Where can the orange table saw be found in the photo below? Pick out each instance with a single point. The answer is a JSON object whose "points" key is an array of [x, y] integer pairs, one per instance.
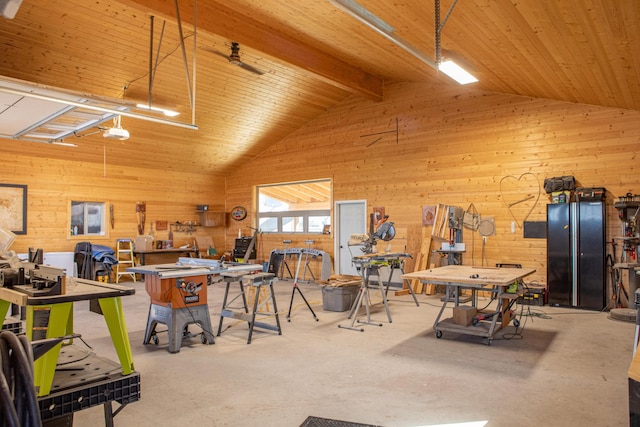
{"points": [[178, 295]]}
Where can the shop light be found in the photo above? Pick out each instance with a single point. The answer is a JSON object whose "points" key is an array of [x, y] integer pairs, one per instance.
{"points": [[166, 112], [456, 72]]}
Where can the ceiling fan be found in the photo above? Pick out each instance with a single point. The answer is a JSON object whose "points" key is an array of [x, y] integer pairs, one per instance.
{"points": [[234, 58]]}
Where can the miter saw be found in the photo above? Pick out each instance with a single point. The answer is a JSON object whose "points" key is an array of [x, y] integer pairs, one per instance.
{"points": [[385, 232]]}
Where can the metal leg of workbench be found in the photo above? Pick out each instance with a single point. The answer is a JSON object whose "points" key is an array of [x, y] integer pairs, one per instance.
{"points": [[383, 294], [275, 307], [447, 295], [256, 307], [384, 298], [108, 415], [114, 316], [4, 308], [494, 320], [413, 294], [225, 311], [45, 367], [354, 309]]}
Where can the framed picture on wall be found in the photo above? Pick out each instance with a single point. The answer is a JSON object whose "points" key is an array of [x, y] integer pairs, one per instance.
{"points": [[13, 207], [428, 215]]}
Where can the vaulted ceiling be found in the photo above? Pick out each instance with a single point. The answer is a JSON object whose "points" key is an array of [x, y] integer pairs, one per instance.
{"points": [[313, 56]]}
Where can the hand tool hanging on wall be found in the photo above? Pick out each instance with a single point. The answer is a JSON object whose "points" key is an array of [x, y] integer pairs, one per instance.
{"points": [[511, 185], [141, 208], [111, 216]]}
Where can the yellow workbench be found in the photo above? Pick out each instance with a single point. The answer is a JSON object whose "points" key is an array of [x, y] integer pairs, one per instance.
{"points": [[59, 310]]}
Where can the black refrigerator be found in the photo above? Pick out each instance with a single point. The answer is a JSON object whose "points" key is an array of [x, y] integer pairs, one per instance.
{"points": [[576, 254]]}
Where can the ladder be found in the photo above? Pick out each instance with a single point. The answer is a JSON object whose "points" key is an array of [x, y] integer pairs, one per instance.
{"points": [[124, 254]]}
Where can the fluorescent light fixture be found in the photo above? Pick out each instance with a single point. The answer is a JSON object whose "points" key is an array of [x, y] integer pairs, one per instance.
{"points": [[61, 143], [377, 24], [363, 14], [29, 90], [456, 72], [166, 112], [9, 8]]}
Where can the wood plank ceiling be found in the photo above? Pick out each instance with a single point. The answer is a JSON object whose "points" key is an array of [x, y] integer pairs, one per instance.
{"points": [[313, 56]]}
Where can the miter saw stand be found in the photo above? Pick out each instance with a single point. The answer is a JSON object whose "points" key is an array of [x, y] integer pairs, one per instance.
{"points": [[367, 263]]}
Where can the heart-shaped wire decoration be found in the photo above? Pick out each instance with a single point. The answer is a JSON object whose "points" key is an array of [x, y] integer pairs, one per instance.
{"points": [[517, 197]]}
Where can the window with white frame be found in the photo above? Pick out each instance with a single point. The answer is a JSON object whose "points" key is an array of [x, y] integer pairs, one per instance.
{"points": [[87, 219], [296, 207]]}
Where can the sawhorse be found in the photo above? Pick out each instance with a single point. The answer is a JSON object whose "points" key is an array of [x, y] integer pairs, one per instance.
{"points": [[257, 280]]}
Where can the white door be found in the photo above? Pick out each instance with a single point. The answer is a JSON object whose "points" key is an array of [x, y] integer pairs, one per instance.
{"points": [[351, 218]]}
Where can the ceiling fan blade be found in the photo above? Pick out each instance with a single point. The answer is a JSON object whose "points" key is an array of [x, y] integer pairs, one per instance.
{"points": [[215, 52], [234, 58], [250, 68]]}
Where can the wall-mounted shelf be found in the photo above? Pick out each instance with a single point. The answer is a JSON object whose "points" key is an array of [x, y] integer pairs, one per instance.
{"points": [[212, 219], [184, 227]]}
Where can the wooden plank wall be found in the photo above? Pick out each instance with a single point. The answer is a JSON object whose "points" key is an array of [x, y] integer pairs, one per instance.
{"points": [[52, 184], [455, 146]]}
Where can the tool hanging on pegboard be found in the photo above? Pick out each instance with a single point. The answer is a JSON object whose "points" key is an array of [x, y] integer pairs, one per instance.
{"points": [[141, 208]]}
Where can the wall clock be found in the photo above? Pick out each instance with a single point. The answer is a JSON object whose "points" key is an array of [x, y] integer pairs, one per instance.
{"points": [[239, 213]]}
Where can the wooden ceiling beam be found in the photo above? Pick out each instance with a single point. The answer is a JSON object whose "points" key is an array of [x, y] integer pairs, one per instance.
{"points": [[216, 18]]}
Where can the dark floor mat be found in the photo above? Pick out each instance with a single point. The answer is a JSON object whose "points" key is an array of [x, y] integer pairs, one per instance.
{"points": [[326, 422]]}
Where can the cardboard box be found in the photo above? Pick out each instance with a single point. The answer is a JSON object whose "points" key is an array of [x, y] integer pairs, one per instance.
{"points": [[464, 314], [143, 243]]}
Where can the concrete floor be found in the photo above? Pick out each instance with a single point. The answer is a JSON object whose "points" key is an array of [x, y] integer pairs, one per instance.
{"points": [[566, 368]]}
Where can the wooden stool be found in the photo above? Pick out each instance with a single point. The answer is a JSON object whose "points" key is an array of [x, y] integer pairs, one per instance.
{"points": [[263, 299]]}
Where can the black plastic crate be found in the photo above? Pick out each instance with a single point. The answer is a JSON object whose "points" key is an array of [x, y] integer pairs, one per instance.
{"points": [[89, 382], [12, 325], [122, 390]]}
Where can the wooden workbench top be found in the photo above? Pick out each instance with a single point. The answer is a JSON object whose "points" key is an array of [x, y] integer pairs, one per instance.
{"points": [[468, 275], [75, 290]]}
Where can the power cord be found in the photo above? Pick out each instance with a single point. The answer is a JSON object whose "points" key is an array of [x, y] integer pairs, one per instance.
{"points": [[193, 286], [17, 393], [517, 320]]}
